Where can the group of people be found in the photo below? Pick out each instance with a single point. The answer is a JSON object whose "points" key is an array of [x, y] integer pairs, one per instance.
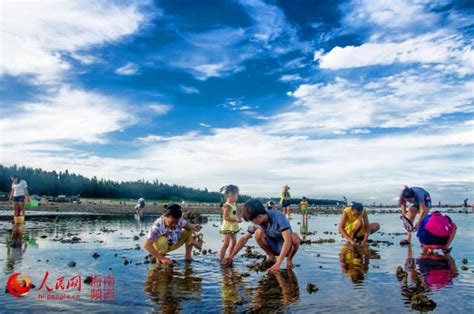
{"points": [[274, 235], [271, 227]]}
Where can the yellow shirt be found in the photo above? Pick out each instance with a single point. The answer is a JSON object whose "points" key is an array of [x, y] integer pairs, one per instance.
{"points": [[351, 219], [227, 225], [304, 204]]}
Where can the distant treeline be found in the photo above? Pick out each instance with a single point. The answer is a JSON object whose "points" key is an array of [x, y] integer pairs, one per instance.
{"points": [[54, 183]]}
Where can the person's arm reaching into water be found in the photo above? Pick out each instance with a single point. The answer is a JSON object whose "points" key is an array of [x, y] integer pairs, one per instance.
{"points": [[287, 242], [159, 257], [342, 231], [240, 244]]}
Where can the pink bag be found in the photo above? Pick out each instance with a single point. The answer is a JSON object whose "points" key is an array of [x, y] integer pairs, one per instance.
{"points": [[439, 225]]}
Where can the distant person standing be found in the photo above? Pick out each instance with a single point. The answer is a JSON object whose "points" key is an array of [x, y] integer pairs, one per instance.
{"points": [[285, 201], [304, 207], [420, 201], [465, 205], [139, 207], [18, 195]]}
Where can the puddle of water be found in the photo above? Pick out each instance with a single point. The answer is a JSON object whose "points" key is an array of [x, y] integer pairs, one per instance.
{"points": [[348, 280]]}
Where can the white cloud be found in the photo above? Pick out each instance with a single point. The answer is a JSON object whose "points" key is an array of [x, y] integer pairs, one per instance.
{"points": [[438, 47], [189, 89], [290, 77], [204, 125], [160, 109], [401, 15], [68, 116], [437, 159], [151, 138], [128, 69], [35, 35], [408, 99]]}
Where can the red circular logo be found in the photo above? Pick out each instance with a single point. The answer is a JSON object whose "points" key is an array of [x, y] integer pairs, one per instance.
{"points": [[18, 286]]}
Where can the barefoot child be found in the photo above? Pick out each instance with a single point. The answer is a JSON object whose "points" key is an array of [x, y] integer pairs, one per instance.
{"points": [[272, 232], [304, 207], [285, 201], [420, 201], [230, 219], [168, 233], [354, 224]]}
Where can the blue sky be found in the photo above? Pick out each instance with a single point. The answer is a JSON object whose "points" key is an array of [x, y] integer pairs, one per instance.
{"points": [[354, 98]]}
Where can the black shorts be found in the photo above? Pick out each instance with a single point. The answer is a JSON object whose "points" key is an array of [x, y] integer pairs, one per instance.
{"points": [[20, 198]]}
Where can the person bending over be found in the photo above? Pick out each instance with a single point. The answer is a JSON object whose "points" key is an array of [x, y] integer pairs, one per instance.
{"points": [[354, 224], [272, 232]]}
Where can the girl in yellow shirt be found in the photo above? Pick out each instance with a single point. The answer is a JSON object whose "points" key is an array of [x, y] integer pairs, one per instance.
{"points": [[231, 219]]}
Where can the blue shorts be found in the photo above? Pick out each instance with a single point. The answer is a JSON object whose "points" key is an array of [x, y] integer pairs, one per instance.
{"points": [[427, 202], [275, 244], [285, 203], [20, 198]]}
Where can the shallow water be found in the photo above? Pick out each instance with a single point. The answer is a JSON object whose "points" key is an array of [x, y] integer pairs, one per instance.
{"points": [[347, 281]]}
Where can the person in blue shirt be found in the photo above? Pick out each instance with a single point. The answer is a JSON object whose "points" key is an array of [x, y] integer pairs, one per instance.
{"points": [[420, 201], [272, 232]]}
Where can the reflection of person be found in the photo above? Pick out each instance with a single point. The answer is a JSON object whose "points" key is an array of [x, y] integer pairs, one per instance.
{"points": [[354, 224], [285, 201], [139, 207], [354, 261], [438, 270], [18, 196], [168, 233], [275, 291], [168, 287], [232, 286], [230, 219], [436, 232], [420, 201], [16, 246], [272, 232]]}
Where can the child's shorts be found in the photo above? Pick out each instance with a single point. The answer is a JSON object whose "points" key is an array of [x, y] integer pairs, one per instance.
{"points": [[275, 244], [285, 203]]}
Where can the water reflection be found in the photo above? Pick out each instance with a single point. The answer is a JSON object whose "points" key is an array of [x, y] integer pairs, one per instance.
{"points": [[16, 247], [168, 287], [438, 270], [275, 291], [354, 261], [232, 290]]}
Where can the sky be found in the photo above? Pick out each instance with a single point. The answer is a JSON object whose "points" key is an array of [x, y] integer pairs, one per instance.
{"points": [[348, 98]]}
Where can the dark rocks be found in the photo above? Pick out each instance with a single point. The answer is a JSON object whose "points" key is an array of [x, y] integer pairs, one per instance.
{"points": [[465, 261], [71, 264], [252, 254], [311, 288], [464, 267], [88, 280], [401, 273], [126, 262], [421, 302], [43, 236], [245, 274], [261, 266], [195, 218], [136, 238], [96, 255]]}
